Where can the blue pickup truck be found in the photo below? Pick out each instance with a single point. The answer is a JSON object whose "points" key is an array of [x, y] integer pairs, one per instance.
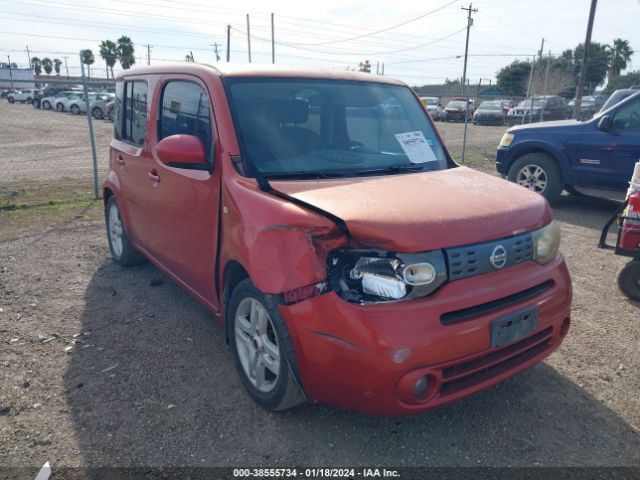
{"points": [[594, 157]]}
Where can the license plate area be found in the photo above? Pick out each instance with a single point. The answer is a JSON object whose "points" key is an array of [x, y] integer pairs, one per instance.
{"points": [[513, 327]]}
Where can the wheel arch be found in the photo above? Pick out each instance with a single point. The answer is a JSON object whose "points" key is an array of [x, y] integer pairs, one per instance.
{"points": [[234, 273], [550, 152]]}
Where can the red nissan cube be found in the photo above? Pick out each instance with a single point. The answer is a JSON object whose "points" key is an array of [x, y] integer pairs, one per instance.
{"points": [[319, 217]]}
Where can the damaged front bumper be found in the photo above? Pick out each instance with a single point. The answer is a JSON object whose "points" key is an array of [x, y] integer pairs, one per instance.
{"points": [[368, 358]]}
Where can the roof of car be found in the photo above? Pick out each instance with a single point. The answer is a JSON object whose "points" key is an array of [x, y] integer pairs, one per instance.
{"points": [[257, 70]]}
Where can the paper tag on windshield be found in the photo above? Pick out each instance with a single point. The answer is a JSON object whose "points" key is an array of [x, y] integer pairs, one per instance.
{"points": [[416, 147]]}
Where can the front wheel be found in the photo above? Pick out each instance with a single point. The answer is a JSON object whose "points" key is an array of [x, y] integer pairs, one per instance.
{"points": [[538, 173], [122, 250], [75, 109], [629, 280], [262, 349], [11, 99], [97, 113], [46, 105]]}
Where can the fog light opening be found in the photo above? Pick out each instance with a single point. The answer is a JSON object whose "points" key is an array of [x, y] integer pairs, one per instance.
{"points": [[564, 328], [420, 387]]}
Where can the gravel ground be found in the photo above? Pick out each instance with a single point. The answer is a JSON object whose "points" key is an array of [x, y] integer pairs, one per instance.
{"points": [[148, 379]]}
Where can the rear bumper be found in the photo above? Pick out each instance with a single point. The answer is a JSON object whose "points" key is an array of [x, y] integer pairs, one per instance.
{"points": [[367, 358]]}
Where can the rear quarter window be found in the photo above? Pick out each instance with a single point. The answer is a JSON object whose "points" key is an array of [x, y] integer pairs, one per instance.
{"points": [[130, 120]]}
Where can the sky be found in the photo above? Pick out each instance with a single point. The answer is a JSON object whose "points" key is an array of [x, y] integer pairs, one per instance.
{"points": [[419, 42]]}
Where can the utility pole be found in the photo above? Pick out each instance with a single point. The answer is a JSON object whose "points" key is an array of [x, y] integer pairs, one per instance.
{"points": [[228, 42], [248, 38], [149, 54], [215, 49], [382, 73], [378, 67], [10, 74], [546, 79], [66, 67], [524, 115], [470, 11], [273, 42], [192, 59], [585, 59], [29, 56], [541, 50]]}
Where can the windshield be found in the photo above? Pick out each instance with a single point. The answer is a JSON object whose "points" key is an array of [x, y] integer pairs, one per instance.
{"points": [[456, 104], [490, 106], [537, 103], [430, 101], [616, 97], [315, 128]]}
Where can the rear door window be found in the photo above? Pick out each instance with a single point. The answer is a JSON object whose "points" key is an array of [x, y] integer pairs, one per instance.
{"points": [[130, 123]]}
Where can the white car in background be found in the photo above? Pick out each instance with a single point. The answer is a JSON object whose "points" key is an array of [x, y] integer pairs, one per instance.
{"points": [[433, 107], [48, 103], [62, 103], [97, 104], [22, 96]]}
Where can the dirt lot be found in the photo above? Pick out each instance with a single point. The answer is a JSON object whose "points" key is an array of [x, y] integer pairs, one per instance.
{"points": [[148, 379]]}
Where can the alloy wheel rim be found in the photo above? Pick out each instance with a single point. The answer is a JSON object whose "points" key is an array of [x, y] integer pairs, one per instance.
{"points": [[533, 177], [257, 345], [115, 230]]}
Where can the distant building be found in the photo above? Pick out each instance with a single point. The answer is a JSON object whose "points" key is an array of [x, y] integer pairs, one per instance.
{"points": [[8, 74]]}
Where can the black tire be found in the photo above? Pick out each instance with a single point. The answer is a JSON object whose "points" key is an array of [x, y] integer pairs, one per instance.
{"points": [[97, 113], [29, 99], [11, 99], [128, 254], [629, 280], [286, 393], [75, 109], [550, 173], [36, 103], [59, 107], [46, 105]]}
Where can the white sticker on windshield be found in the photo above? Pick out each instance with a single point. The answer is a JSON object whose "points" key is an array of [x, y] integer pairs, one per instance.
{"points": [[416, 147]]}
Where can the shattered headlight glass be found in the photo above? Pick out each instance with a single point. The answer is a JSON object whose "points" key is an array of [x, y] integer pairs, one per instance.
{"points": [[363, 276]]}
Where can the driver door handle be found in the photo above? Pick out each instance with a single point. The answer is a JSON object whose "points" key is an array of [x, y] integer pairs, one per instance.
{"points": [[153, 175]]}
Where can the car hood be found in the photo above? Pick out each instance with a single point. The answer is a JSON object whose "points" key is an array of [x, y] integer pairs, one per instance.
{"points": [[425, 211], [563, 125]]}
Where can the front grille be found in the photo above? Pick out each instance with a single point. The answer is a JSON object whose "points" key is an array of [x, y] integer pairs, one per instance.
{"points": [[469, 373], [457, 316], [472, 260]]}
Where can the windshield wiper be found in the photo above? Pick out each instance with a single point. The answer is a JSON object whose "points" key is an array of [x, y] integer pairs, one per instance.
{"points": [[305, 174], [391, 169]]}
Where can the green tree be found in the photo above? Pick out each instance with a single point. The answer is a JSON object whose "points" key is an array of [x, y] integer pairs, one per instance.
{"points": [[189, 58], [47, 64], [126, 52], [364, 67], [36, 64], [109, 53], [56, 65], [627, 80], [513, 78], [620, 53], [597, 64], [87, 57]]}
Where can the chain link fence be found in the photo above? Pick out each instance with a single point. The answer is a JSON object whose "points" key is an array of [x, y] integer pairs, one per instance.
{"points": [[46, 152]]}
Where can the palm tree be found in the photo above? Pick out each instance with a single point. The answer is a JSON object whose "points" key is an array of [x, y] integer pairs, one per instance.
{"points": [[56, 65], [36, 64], [109, 53], [47, 64], [189, 58], [86, 57], [126, 52], [620, 54]]}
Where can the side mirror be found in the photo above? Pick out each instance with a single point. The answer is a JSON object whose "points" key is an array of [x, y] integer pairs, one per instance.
{"points": [[182, 151], [605, 123]]}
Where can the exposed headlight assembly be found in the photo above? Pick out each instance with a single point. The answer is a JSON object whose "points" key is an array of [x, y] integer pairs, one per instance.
{"points": [[364, 276], [546, 242], [506, 139]]}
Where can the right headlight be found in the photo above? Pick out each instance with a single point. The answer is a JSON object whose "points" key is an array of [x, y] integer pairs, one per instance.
{"points": [[364, 276], [506, 140], [546, 242]]}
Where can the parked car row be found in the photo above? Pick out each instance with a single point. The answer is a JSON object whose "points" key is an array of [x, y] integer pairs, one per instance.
{"points": [[66, 100]]}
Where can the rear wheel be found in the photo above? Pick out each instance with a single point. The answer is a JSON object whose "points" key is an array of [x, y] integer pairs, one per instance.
{"points": [[46, 105], [122, 250], [262, 349], [538, 173], [97, 113], [629, 280], [75, 109], [11, 99]]}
